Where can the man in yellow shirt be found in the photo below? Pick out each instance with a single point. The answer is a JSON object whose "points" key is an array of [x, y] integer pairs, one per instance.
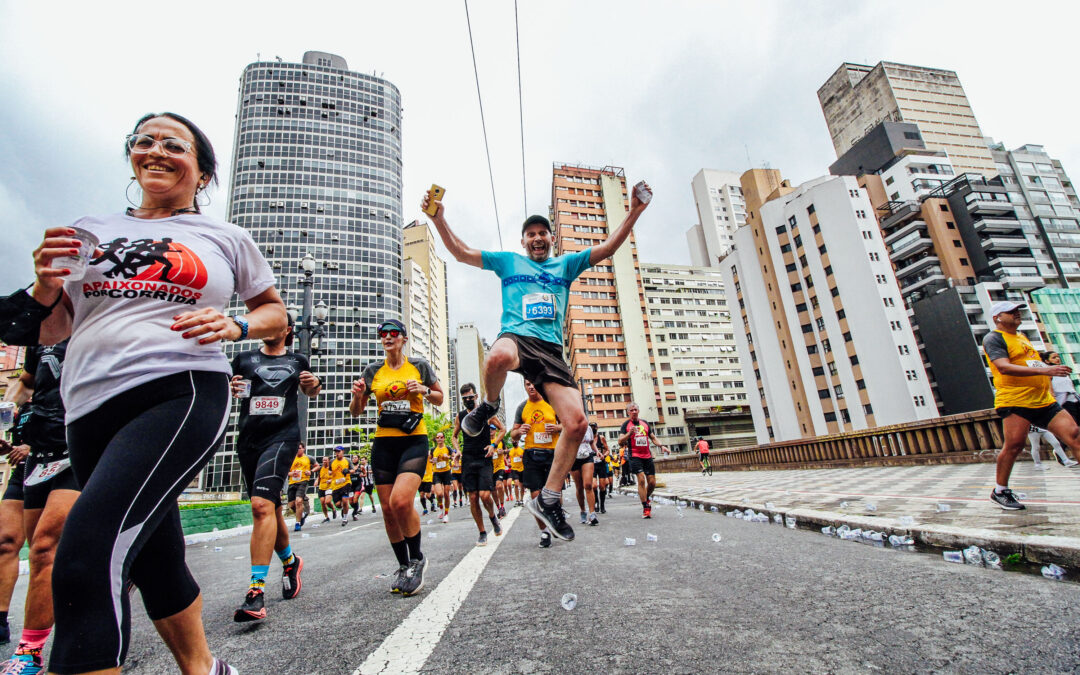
{"points": [[325, 493], [299, 479], [440, 476], [517, 466], [1022, 396], [425, 486], [535, 422], [455, 479], [341, 484]]}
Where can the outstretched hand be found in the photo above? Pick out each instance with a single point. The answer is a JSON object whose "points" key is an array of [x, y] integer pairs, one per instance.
{"points": [[439, 208]]}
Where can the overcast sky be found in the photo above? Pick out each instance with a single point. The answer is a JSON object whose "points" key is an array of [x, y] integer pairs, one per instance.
{"points": [[661, 89]]}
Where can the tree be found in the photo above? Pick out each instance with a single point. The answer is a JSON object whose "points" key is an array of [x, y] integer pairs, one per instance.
{"points": [[361, 444], [439, 422]]}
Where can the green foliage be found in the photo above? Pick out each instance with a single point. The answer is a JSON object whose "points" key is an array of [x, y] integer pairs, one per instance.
{"points": [[362, 439], [439, 422], [1013, 559], [211, 505]]}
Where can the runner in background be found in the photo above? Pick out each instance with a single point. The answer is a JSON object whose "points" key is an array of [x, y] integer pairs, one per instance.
{"points": [[355, 485], [12, 530], [340, 483], [326, 495], [498, 469], [299, 480], [516, 454], [536, 424], [582, 473], [601, 470], [477, 478], [456, 493], [426, 484], [636, 434], [440, 483], [367, 483]]}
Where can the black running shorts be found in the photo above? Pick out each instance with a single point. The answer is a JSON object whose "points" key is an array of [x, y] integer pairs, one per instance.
{"points": [[540, 361], [499, 475], [440, 478], [342, 493], [425, 487], [476, 475], [14, 489], [395, 455], [515, 475], [265, 467], [46, 472], [537, 468], [580, 462], [601, 470], [1040, 417], [643, 465]]}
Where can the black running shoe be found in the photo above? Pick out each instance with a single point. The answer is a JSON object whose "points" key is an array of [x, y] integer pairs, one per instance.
{"points": [[477, 420], [552, 516], [253, 608], [545, 539], [290, 578], [414, 577], [395, 587], [496, 527], [593, 520], [1006, 500], [482, 539]]}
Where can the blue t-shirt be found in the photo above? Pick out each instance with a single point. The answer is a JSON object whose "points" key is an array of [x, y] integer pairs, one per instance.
{"points": [[535, 295]]}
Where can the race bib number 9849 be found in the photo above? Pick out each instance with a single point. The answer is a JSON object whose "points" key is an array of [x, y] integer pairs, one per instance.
{"points": [[267, 405]]}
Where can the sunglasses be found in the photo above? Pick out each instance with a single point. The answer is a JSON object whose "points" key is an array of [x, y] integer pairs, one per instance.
{"points": [[392, 332], [468, 398], [140, 144]]}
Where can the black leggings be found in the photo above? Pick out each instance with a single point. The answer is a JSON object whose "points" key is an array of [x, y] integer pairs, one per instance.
{"points": [[133, 456]]}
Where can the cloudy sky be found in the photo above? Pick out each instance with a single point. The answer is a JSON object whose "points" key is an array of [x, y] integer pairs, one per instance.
{"points": [[662, 89]]}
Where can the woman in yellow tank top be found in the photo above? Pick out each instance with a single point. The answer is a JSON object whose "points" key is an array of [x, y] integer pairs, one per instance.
{"points": [[440, 460]]}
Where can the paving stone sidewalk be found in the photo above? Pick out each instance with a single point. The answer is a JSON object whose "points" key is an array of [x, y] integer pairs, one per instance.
{"points": [[1047, 531]]}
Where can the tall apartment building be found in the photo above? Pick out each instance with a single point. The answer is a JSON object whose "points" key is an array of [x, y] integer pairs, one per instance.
{"points": [[419, 247], [415, 306], [606, 332], [701, 382], [469, 352], [817, 299], [856, 98], [317, 170], [721, 211], [452, 394], [1046, 204]]}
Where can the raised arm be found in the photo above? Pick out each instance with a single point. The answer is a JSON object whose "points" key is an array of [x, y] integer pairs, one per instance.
{"points": [[454, 434], [608, 247], [500, 430], [457, 248]]}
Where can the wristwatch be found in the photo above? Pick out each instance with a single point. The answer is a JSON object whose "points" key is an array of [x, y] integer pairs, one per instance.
{"points": [[242, 322]]}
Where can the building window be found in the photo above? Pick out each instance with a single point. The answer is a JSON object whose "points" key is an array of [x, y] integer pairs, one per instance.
{"points": [[823, 393]]}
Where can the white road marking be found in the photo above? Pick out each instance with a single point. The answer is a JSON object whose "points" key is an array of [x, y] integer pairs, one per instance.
{"points": [[405, 650]]}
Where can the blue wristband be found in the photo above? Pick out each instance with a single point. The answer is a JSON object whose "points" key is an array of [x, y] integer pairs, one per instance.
{"points": [[243, 327]]}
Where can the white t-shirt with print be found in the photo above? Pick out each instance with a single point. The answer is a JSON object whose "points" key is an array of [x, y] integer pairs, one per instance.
{"points": [[144, 273], [585, 447]]}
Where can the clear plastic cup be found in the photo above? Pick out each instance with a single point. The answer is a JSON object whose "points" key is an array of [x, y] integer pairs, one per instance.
{"points": [[88, 241], [642, 192], [7, 415], [245, 389]]}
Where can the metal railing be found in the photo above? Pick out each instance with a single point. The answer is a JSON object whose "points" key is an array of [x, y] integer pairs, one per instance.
{"points": [[956, 439]]}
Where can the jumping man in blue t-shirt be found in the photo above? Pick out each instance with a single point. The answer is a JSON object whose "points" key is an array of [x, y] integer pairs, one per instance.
{"points": [[535, 290]]}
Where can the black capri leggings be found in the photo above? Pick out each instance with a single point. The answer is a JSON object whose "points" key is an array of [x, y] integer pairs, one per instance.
{"points": [[133, 456]]}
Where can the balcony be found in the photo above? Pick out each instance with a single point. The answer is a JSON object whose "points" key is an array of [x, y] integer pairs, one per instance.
{"points": [[1004, 243], [989, 225], [903, 230], [909, 247], [990, 206], [1022, 281], [929, 261], [934, 278], [893, 213]]}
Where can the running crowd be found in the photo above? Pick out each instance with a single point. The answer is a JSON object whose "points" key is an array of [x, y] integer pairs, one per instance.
{"points": [[126, 395]]}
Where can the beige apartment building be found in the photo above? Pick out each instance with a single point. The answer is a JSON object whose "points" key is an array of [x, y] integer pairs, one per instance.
{"points": [[607, 341], [856, 98], [425, 309]]}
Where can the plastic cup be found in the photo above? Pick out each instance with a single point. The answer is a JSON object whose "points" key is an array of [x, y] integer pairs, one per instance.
{"points": [[88, 241], [245, 389], [642, 192], [7, 415]]}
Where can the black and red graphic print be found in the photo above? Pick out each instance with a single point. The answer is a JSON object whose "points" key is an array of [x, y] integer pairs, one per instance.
{"points": [[147, 268]]}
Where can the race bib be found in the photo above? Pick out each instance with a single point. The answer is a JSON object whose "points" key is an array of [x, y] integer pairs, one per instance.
{"points": [[440, 465], [641, 441], [1035, 363], [329, 493], [538, 307], [43, 472], [267, 405], [396, 406], [540, 437]]}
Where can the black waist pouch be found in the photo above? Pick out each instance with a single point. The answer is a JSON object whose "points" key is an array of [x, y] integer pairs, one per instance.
{"points": [[405, 421]]}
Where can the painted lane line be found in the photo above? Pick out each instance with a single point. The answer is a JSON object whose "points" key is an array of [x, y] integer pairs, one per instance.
{"points": [[408, 647]]}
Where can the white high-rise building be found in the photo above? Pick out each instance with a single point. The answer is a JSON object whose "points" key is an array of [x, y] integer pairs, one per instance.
{"points": [[721, 210], [823, 335]]}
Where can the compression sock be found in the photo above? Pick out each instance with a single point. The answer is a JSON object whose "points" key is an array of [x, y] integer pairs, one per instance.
{"points": [[401, 551], [493, 404], [33, 639], [423, 502], [258, 576], [413, 543], [549, 497], [603, 498], [286, 556], [645, 504], [1000, 488]]}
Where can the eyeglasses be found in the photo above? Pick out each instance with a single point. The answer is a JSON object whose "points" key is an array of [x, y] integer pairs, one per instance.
{"points": [[141, 144], [468, 398], [392, 332]]}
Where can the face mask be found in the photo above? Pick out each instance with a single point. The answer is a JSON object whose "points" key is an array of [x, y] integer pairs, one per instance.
{"points": [[469, 405]]}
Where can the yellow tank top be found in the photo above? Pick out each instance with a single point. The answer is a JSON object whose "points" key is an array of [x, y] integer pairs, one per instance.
{"points": [[517, 463], [536, 415], [441, 459], [324, 478], [1031, 391], [300, 471], [428, 472]]}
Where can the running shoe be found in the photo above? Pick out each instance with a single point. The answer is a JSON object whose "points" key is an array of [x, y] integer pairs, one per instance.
{"points": [[583, 518], [502, 511], [496, 527], [373, 509], [446, 517], [1071, 463], [326, 520], [477, 420], [290, 578], [222, 668], [296, 527], [482, 539], [5, 633], [646, 512], [593, 520], [253, 609], [1006, 500], [399, 579], [424, 513], [545, 539], [344, 522], [1042, 467], [354, 515], [553, 516], [27, 662], [414, 577]]}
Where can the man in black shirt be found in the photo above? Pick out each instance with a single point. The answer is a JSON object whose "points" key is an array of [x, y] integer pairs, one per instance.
{"points": [[476, 476], [269, 434], [49, 491]]}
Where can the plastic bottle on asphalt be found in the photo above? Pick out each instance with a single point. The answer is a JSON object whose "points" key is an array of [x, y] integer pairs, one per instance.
{"points": [[942, 508], [716, 537], [569, 601], [991, 559], [828, 530], [777, 518], [901, 540], [973, 555], [953, 556], [629, 541], [650, 537], [1052, 571], [870, 506], [218, 549], [790, 522], [714, 509], [843, 505]]}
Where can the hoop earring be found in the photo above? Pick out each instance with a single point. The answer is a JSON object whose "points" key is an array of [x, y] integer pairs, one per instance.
{"points": [[201, 192], [127, 194]]}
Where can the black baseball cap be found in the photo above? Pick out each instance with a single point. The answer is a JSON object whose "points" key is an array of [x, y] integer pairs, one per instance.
{"points": [[535, 220], [392, 323]]}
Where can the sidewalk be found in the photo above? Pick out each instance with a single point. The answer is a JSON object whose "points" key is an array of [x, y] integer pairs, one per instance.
{"points": [[1047, 531]]}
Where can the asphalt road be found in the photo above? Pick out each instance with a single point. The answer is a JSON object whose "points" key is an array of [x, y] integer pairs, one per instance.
{"points": [[764, 599]]}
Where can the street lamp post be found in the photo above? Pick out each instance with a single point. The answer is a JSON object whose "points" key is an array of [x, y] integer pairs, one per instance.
{"points": [[310, 336], [586, 397]]}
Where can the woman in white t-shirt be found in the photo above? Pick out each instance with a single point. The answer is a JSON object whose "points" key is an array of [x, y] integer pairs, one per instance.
{"points": [[582, 474], [146, 391]]}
